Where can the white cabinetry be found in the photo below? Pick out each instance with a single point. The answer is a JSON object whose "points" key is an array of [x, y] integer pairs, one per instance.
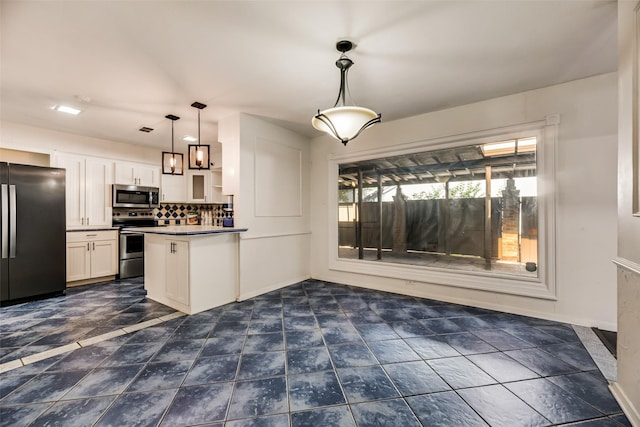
{"points": [[174, 188], [129, 173], [177, 271], [199, 186], [91, 255], [194, 187], [88, 190], [191, 273]]}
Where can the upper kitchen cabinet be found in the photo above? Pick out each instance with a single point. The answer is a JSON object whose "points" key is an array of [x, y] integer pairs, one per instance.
{"points": [[173, 188], [199, 186], [128, 173], [88, 190]]}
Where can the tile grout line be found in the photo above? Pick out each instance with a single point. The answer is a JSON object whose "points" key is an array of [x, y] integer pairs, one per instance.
{"points": [[33, 358]]}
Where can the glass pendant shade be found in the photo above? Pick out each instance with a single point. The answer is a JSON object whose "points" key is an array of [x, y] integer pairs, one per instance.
{"points": [[344, 122], [199, 157]]}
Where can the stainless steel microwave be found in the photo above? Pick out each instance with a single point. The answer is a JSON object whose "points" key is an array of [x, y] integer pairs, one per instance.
{"points": [[135, 196]]}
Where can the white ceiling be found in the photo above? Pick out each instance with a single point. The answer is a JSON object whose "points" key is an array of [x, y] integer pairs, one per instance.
{"points": [[127, 64]]}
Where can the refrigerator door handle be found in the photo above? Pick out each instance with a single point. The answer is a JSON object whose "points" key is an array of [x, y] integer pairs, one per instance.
{"points": [[4, 195], [12, 221]]}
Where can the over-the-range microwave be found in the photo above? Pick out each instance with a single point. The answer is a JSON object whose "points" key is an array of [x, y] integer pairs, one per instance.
{"points": [[135, 196]]}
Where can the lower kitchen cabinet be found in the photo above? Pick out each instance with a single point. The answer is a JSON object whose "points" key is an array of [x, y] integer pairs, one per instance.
{"points": [[91, 256], [177, 271], [191, 273]]}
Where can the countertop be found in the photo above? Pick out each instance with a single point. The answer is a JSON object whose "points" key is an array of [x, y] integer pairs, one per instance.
{"points": [[186, 230]]}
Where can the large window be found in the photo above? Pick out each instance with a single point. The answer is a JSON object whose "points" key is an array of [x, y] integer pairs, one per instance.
{"points": [[471, 208]]}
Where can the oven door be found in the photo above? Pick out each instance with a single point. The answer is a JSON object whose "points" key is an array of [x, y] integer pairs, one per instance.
{"points": [[131, 245]]}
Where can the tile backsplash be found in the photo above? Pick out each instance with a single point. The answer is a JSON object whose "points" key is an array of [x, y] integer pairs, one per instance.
{"points": [[176, 213]]}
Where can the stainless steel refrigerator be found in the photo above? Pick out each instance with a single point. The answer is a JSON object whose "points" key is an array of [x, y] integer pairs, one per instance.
{"points": [[32, 233]]}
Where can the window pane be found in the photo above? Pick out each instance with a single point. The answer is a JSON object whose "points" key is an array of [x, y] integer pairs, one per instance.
{"points": [[466, 208]]}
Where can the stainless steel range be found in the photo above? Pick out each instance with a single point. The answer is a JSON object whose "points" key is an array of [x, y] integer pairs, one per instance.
{"points": [[131, 242]]}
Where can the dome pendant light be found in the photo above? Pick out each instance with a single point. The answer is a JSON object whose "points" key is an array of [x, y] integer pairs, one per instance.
{"points": [[344, 122]]}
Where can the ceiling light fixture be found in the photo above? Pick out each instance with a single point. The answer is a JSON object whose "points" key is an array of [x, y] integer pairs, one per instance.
{"points": [[198, 154], [66, 109], [344, 122], [171, 159], [189, 138]]}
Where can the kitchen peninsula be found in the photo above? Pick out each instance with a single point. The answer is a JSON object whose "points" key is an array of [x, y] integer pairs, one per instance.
{"points": [[191, 268]]}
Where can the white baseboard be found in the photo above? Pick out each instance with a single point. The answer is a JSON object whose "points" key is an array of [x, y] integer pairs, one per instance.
{"points": [[625, 403], [274, 287]]}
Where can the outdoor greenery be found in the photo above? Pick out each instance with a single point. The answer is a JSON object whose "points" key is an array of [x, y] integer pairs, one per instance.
{"points": [[464, 190]]}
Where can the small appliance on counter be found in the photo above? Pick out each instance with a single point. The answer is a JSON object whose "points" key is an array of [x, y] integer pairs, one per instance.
{"points": [[227, 221], [192, 219]]}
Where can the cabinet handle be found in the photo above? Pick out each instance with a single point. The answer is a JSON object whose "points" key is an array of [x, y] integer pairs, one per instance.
{"points": [[91, 235], [88, 247], [82, 221], [87, 220], [94, 246]]}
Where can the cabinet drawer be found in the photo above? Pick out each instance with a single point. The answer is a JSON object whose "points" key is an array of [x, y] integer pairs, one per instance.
{"points": [[87, 236]]}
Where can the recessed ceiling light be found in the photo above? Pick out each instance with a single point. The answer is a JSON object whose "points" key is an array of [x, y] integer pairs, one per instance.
{"points": [[66, 109], [189, 138]]}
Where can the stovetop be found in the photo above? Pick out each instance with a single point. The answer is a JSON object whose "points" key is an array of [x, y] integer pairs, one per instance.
{"points": [[126, 217]]}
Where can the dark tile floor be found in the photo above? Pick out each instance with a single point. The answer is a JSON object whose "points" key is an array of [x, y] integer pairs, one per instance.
{"points": [[311, 354], [84, 312]]}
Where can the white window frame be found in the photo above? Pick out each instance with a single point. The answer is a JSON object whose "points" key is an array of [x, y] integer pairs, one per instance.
{"points": [[543, 286]]}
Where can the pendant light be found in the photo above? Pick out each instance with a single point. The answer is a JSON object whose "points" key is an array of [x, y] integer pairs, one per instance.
{"points": [[198, 154], [344, 122], [170, 160]]}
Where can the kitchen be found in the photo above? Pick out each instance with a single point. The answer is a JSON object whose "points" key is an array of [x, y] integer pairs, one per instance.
{"points": [[286, 202]]}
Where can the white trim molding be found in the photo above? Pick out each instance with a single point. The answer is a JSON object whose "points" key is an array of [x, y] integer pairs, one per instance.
{"points": [[625, 403], [627, 265]]}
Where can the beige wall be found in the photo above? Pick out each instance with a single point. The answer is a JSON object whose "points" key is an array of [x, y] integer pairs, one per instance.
{"points": [[627, 387], [585, 190]]}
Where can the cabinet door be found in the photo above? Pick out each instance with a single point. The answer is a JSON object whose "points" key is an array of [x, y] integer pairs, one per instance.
{"points": [[98, 176], [174, 188], [74, 187], [104, 258], [199, 187], [148, 175], [177, 271], [129, 173], [78, 261], [125, 174]]}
